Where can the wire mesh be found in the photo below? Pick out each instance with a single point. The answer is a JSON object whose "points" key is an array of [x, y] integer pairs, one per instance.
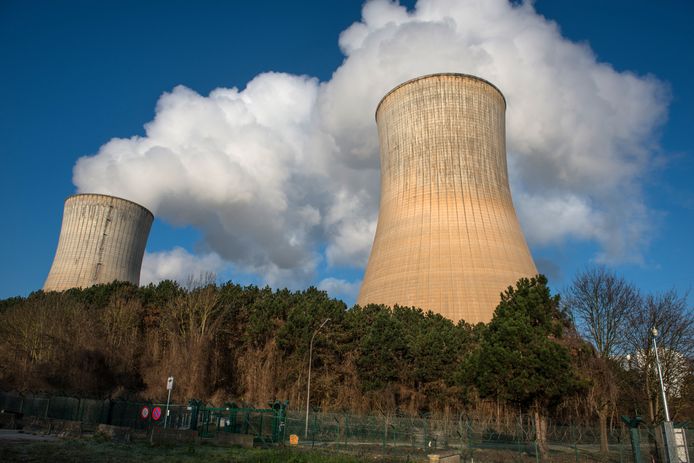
{"points": [[481, 439], [484, 440]]}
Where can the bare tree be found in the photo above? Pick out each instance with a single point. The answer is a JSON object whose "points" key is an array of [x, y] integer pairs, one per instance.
{"points": [[25, 343], [191, 325], [602, 303], [674, 320]]}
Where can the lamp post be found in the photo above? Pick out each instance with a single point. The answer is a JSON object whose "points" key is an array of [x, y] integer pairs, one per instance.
{"points": [[308, 386], [654, 332], [668, 428]]}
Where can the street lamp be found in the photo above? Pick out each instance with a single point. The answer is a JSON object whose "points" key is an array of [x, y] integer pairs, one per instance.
{"points": [[654, 332], [668, 428], [308, 386]]}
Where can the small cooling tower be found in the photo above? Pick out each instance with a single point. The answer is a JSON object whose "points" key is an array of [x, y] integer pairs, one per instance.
{"points": [[102, 239], [448, 239]]}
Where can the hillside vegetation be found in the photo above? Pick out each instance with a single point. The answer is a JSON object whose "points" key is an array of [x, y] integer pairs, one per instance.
{"points": [[248, 344]]}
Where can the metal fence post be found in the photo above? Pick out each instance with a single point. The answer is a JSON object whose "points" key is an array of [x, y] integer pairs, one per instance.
{"points": [[394, 433], [519, 437], [383, 439], [194, 406], [426, 433], [313, 434], [470, 444], [537, 454]]}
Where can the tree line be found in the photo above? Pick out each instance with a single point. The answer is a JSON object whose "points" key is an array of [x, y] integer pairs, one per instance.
{"points": [[584, 358]]}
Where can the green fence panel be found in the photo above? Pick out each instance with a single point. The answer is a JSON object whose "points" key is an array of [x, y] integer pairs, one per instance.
{"points": [[512, 439], [11, 402]]}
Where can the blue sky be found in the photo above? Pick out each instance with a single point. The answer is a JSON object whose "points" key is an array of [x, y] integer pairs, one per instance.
{"points": [[79, 74]]}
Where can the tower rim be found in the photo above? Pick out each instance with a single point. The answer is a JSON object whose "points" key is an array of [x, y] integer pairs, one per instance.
{"points": [[438, 74], [76, 195]]}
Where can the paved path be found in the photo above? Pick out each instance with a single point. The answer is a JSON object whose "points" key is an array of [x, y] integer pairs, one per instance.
{"points": [[12, 436]]}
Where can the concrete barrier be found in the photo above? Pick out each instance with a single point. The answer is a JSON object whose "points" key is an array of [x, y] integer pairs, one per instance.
{"points": [[173, 436], [60, 428], [228, 438], [37, 425], [9, 420], [444, 458], [119, 434], [65, 428]]}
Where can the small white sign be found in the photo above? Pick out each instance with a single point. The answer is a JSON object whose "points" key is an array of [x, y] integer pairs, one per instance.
{"points": [[169, 383]]}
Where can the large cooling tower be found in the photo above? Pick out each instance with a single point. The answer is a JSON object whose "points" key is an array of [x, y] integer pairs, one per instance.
{"points": [[102, 239], [448, 239]]}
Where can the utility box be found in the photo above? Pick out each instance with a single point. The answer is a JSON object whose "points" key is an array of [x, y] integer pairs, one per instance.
{"points": [[672, 442], [681, 449]]}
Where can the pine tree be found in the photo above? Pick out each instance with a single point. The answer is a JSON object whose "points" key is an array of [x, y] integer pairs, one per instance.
{"points": [[520, 357]]}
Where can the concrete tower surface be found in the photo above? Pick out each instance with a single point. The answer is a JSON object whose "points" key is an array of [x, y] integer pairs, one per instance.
{"points": [[448, 239], [102, 239]]}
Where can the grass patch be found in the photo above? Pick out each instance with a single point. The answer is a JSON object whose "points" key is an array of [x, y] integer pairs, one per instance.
{"points": [[88, 450]]}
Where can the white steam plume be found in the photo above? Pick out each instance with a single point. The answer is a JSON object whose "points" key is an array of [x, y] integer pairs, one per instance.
{"points": [[283, 175], [340, 289], [178, 265]]}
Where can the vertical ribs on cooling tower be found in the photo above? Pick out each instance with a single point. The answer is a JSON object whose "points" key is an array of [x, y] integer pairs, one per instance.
{"points": [[102, 239], [448, 239]]}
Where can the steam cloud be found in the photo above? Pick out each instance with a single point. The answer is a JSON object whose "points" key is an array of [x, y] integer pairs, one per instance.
{"points": [[178, 264], [282, 176]]}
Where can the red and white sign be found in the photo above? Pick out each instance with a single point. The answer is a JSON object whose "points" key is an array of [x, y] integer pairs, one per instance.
{"points": [[144, 413], [156, 413]]}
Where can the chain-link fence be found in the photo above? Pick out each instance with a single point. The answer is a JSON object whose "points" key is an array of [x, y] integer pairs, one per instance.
{"points": [[473, 439], [90, 412], [266, 424]]}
